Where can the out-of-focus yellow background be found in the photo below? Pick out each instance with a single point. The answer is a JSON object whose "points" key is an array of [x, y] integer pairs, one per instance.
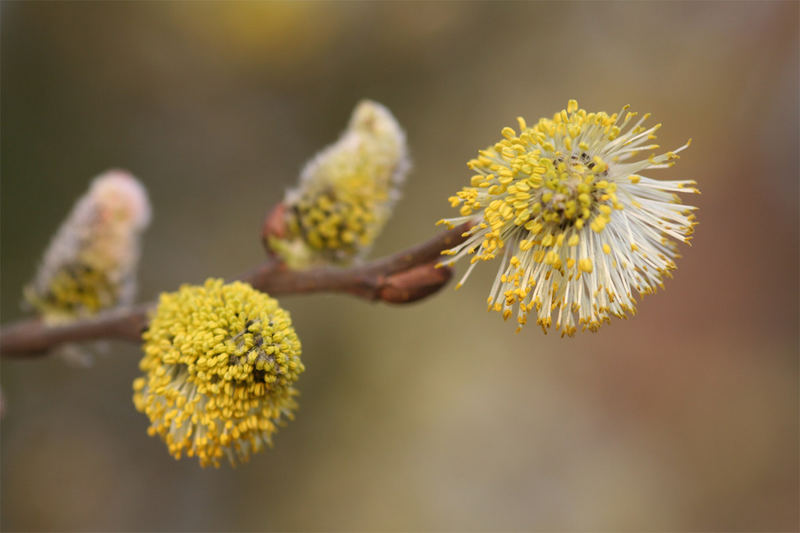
{"points": [[434, 416]]}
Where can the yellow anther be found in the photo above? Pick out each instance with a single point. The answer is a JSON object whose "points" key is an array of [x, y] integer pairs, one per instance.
{"points": [[600, 165], [572, 106]]}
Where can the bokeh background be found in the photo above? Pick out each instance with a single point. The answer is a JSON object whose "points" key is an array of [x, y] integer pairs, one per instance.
{"points": [[434, 416]]}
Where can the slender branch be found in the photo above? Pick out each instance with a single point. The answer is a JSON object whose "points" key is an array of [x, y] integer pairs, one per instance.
{"points": [[34, 337], [403, 277], [364, 280]]}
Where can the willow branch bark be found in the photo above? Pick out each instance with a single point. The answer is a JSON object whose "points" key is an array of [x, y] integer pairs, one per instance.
{"points": [[403, 277]]}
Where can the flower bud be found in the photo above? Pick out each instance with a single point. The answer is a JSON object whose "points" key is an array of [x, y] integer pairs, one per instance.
{"points": [[346, 192], [90, 264]]}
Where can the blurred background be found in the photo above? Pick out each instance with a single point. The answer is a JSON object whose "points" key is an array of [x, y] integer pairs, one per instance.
{"points": [[434, 416]]}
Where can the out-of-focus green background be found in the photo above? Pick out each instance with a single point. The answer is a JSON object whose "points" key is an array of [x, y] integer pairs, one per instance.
{"points": [[434, 416]]}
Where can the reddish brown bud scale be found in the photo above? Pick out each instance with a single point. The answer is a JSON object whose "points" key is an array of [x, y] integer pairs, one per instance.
{"points": [[414, 284], [274, 225]]}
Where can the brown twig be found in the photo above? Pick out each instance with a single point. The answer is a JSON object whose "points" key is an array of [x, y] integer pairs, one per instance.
{"points": [[403, 277]]}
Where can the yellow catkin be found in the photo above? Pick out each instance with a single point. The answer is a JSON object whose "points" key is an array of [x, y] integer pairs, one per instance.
{"points": [[220, 361], [568, 197], [347, 192], [91, 262]]}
